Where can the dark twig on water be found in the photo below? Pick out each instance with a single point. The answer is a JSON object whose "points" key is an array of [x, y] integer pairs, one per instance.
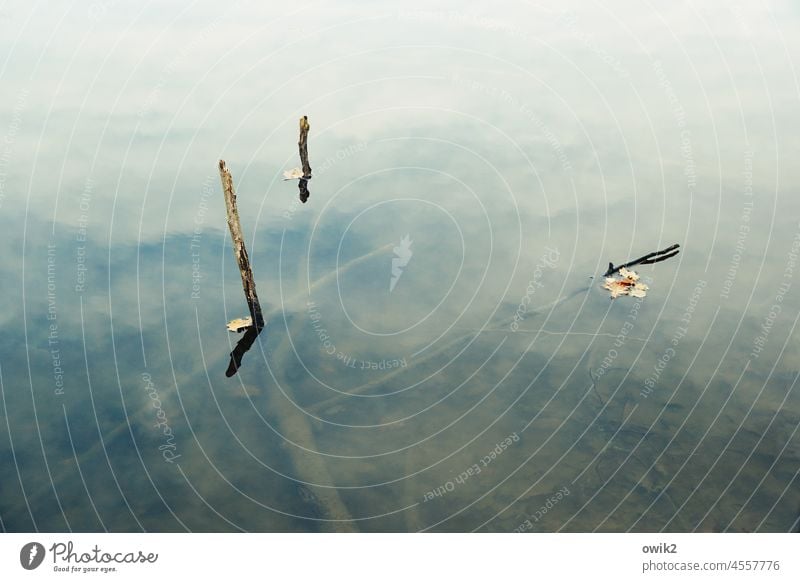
{"points": [[248, 283], [302, 144], [648, 259]]}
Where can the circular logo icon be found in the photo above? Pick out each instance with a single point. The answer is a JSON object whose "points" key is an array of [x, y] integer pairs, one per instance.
{"points": [[31, 555]]}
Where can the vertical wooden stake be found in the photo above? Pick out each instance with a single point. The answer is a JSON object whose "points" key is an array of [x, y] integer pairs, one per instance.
{"points": [[248, 283], [302, 145]]}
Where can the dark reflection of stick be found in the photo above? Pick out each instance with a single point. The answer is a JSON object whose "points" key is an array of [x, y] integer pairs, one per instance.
{"points": [[650, 258], [240, 252], [302, 144], [241, 348]]}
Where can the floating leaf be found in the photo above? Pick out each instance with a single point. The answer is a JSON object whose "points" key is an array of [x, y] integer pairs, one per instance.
{"points": [[616, 287], [239, 325], [293, 174], [627, 285]]}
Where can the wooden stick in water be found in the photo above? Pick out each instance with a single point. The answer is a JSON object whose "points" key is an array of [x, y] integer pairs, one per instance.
{"points": [[302, 145], [648, 259], [248, 283]]}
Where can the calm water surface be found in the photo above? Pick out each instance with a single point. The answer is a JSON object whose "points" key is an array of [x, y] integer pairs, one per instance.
{"points": [[437, 355]]}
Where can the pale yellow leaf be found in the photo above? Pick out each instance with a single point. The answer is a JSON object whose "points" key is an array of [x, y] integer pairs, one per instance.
{"points": [[239, 325], [293, 174]]}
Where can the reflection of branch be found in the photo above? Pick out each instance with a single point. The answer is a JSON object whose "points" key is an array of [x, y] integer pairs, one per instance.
{"points": [[303, 147], [248, 283], [650, 258], [304, 193], [242, 346]]}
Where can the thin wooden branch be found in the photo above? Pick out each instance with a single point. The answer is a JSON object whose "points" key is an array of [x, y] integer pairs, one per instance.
{"points": [[302, 145], [248, 283], [648, 259]]}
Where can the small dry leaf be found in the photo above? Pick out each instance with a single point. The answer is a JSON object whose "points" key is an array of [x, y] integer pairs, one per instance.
{"points": [[239, 325], [628, 285], [616, 287], [293, 174]]}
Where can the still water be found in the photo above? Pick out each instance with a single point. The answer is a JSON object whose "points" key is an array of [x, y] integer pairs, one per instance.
{"points": [[439, 353]]}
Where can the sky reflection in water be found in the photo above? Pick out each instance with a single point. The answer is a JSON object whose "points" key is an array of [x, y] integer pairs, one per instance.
{"points": [[436, 354]]}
